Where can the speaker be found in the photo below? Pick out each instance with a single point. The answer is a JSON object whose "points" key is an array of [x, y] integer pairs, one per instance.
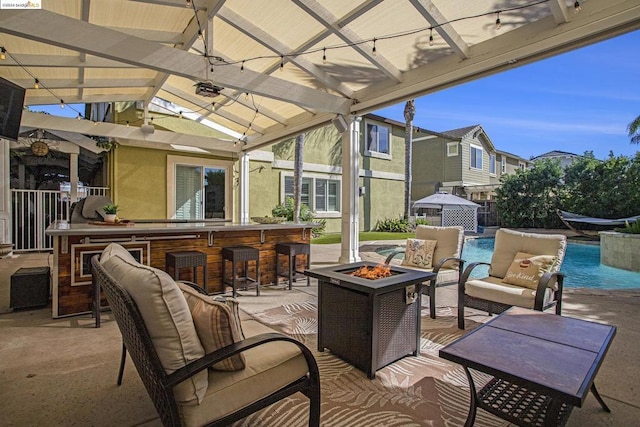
{"points": [[29, 287], [340, 123]]}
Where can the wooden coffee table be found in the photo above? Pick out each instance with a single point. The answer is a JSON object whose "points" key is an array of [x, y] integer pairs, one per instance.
{"points": [[542, 365]]}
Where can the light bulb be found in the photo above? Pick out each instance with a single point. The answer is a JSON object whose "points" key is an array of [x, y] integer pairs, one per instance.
{"points": [[188, 4], [324, 55], [79, 116], [498, 24], [180, 115], [242, 67], [61, 103], [373, 52], [3, 53], [36, 85], [246, 96], [430, 36], [576, 7], [281, 63]]}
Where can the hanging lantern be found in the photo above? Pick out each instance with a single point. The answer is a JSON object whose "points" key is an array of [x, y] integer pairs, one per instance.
{"points": [[39, 148]]}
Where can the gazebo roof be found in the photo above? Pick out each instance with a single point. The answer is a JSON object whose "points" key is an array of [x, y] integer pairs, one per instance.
{"points": [[280, 67]]}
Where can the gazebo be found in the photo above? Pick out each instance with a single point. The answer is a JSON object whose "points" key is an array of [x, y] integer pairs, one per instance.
{"points": [[454, 210]]}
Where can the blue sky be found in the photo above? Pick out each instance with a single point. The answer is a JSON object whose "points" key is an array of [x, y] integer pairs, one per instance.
{"points": [[578, 101]]}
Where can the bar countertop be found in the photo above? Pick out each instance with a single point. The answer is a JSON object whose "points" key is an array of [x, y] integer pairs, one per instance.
{"points": [[59, 228]]}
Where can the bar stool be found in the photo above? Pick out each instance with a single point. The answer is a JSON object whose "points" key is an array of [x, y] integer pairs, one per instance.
{"points": [[183, 259], [292, 250], [240, 254]]}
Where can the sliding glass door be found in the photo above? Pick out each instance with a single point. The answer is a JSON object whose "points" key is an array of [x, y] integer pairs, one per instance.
{"points": [[200, 191]]}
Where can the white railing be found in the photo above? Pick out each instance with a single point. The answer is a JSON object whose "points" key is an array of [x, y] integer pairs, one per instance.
{"points": [[34, 210]]}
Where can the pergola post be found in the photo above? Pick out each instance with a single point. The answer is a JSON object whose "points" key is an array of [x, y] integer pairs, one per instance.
{"points": [[350, 197], [244, 187], [5, 193]]}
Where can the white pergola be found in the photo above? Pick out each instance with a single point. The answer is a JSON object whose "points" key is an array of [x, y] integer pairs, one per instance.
{"points": [[300, 63]]}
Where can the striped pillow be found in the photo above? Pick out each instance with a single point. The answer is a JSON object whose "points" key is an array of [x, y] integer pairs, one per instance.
{"points": [[217, 324]]}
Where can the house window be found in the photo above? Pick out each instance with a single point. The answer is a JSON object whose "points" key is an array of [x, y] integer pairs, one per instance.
{"points": [[475, 160], [319, 194], [377, 139], [503, 165], [452, 149], [492, 164], [521, 166]]}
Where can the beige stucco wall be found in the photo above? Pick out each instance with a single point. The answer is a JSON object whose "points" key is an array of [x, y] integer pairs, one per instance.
{"points": [[139, 181], [431, 152]]}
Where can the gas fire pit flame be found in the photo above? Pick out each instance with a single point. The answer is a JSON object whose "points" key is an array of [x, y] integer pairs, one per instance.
{"points": [[372, 273]]}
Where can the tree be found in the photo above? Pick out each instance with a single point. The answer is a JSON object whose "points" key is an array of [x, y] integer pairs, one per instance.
{"points": [[530, 198], [409, 113], [634, 130]]}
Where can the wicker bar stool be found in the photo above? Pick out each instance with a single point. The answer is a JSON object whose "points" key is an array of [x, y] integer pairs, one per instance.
{"points": [[240, 254], [183, 259], [292, 250]]}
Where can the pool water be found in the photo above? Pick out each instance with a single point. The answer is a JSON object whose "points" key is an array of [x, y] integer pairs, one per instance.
{"points": [[581, 266]]}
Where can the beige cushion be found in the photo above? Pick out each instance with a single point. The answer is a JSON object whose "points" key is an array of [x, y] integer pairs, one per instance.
{"points": [[268, 368], [526, 269], [419, 253], [216, 324], [509, 242], [167, 318], [494, 289], [449, 240], [116, 249]]}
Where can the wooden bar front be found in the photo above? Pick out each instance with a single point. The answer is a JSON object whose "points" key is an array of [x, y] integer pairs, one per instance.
{"points": [[75, 244]]}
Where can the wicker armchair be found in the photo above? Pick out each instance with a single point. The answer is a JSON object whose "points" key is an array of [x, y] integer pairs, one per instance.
{"points": [[162, 387], [507, 285], [446, 255]]}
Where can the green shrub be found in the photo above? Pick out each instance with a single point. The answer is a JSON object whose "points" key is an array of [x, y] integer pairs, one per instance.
{"points": [[421, 221], [393, 225], [306, 215], [633, 228]]}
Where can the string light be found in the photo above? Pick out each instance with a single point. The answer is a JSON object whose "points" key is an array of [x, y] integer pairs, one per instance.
{"points": [[61, 103], [3, 53], [200, 35], [406, 33], [430, 36], [246, 96], [576, 7], [188, 3], [281, 62], [242, 67], [36, 84], [180, 114], [373, 52], [127, 123], [79, 116]]}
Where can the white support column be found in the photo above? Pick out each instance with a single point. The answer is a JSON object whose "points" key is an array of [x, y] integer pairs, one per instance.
{"points": [[244, 188], [5, 193], [349, 251], [73, 176]]}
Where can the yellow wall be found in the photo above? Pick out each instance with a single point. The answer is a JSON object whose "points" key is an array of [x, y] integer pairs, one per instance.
{"points": [[139, 182]]}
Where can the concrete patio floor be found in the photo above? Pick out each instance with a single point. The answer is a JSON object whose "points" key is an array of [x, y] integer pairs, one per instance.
{"points": [[63, 371]]}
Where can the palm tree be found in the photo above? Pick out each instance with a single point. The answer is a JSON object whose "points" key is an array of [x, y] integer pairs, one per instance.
{"points": [[634, 131], [409, 113], [297, 177]]}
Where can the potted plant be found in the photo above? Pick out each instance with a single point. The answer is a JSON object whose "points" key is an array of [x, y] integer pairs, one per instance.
{"points": [[110, 212]]}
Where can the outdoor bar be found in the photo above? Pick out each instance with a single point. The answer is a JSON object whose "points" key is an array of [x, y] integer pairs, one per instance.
{"points": [[75, 244]]}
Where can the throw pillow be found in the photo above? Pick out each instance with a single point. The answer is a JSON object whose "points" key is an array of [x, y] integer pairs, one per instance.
{"points": [[526, 269], [419, 253], [217, 324]]}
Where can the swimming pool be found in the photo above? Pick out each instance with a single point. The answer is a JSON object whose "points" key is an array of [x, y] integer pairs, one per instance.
{"points": [[581, 265]]}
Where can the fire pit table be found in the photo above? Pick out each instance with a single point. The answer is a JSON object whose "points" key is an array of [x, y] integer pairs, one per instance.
{"points": [[369, 322]]}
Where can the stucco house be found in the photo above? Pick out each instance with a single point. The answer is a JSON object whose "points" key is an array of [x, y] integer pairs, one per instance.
{"points": [[565, 158]]}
